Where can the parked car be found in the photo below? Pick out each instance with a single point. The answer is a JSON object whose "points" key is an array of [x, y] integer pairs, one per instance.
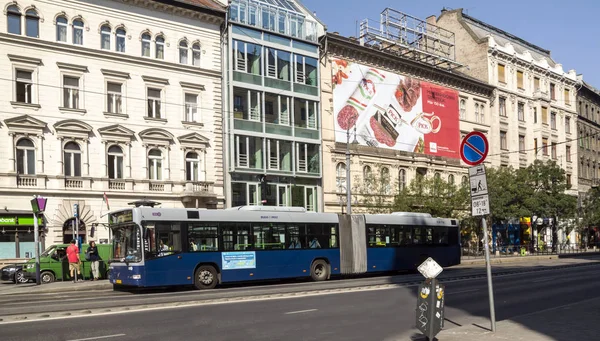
{"points": [[13, 273], [54, 265]]}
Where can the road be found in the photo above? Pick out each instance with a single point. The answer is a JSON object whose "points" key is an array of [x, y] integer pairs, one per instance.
{"points": [[386, 314]]}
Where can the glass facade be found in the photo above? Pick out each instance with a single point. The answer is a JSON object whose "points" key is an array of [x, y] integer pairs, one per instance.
{"points": [[274, 120]]}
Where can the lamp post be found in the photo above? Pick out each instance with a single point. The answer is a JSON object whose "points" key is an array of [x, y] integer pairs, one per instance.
{"points": [[38, 205], [348, 183]]}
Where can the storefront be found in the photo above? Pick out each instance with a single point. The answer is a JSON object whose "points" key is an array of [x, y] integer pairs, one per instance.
{"points": [[16, 234]]}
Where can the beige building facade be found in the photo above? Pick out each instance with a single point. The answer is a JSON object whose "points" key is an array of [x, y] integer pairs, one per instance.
{"points": [[115, 97]]}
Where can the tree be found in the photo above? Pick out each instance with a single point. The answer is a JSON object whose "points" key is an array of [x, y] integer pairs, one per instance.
{"points": [[374, 191]]}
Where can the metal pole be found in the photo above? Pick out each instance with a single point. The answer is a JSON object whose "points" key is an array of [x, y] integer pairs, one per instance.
{"points": [[348, 191], [36, 245], [489, 274]]}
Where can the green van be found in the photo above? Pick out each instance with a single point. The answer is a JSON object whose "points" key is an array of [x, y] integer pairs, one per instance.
{"points": [[54, 265]]}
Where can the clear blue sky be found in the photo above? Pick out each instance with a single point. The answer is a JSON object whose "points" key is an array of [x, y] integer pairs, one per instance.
{"points": [[569, 29]]}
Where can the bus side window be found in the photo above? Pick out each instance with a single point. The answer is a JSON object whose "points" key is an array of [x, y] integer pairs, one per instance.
{"points": [[453, 236], [333, 235], [417, 235], [243, 235], [316, 238], [170, 236], [228, 236], [296, 236], [428, 235], [204, 237], [440, 236]]}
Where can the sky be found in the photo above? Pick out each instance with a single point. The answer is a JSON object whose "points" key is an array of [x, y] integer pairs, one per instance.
{"points": [[569, 29]]}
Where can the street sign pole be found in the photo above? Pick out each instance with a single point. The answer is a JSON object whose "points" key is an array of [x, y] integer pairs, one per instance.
{"points": [[473, 151]]}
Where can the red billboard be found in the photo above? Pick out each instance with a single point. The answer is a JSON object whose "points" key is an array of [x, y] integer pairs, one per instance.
{"points": [[394, 111]]}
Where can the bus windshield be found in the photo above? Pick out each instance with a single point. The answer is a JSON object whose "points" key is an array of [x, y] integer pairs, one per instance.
{"points": [[127, 243]]}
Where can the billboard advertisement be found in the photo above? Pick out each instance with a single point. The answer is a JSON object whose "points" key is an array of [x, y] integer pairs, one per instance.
{"points": [[394, 111]]}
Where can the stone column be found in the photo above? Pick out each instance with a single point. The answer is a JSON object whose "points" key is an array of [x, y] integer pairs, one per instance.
{"points": [[86, 159], [40, 154], [12, 154]]}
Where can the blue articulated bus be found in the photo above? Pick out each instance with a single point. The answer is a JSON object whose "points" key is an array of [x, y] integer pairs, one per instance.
{"points": [[159, 247]]}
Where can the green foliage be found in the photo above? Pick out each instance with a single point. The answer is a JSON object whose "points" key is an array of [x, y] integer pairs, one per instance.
{"points": [[374, 192]]}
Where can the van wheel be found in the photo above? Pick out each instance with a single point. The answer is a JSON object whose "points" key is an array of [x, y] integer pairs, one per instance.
{"points": [[47, 277], [205, 277], [319, 270]]}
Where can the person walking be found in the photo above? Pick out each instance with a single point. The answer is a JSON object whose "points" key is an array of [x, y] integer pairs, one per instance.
{"points": [[73, 256], [94, 258]]}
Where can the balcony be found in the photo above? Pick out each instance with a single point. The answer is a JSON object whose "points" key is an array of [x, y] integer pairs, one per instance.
{"points": [[541, 95], [156, 187], [116, 185], [285, 19], [73, 183], [27, 181]]}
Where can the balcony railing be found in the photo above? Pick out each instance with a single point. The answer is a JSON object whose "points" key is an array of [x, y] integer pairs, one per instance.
{"points": [[26, 181], [73, 183], [116, 185], [157, 187]]}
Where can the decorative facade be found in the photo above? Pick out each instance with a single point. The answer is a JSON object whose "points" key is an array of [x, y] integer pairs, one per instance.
{"points": [[533, 112], [588, 126], [272, 108], [115, 97]]}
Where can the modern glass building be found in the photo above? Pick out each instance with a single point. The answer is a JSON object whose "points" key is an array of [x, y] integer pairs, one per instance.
{"points": [[272, 111]]}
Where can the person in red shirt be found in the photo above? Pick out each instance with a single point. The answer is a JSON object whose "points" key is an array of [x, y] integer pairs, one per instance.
{"points": [[73, 256]]}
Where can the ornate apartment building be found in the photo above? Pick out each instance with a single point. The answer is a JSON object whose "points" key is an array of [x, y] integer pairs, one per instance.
{"points": [[404, 110], [115, 97], [588, 126], [533, 111], [272, 125]]}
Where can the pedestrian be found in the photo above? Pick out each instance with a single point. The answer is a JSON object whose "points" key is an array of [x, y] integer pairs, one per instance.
{"points": [[94, 258], [73, 256]]}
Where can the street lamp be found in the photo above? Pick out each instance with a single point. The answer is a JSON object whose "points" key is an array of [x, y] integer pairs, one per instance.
{"points": [[348, 186]]}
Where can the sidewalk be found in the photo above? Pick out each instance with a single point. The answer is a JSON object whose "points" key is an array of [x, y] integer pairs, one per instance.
{"points": [[56, 287], [576, 321]]}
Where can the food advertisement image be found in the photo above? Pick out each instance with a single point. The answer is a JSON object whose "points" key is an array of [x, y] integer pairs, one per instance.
{"points": [[394, 111]]}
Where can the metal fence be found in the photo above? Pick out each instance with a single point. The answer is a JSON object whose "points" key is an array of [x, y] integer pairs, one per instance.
{"points": [[524, 250]]}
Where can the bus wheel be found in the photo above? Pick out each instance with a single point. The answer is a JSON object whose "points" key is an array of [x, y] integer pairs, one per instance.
{"points": [[47, 277], [205, 277], [319, 271]]}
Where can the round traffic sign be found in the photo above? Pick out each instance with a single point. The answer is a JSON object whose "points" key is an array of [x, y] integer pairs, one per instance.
{"points": [[474, 148]]}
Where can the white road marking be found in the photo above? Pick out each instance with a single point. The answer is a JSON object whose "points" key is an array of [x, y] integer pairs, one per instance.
{"points": [[463, 291], [98, 337], [300, 311]]}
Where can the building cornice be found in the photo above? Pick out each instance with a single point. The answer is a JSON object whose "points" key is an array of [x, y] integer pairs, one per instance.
{"points": [[335, 45], [182, 8], [531, 66]]}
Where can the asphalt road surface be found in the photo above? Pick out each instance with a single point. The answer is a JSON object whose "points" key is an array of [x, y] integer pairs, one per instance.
{"points": [[367, 315]]}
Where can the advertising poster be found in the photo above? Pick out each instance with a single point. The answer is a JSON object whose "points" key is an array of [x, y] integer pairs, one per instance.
{"points": [[394, 111], [238, 260]]}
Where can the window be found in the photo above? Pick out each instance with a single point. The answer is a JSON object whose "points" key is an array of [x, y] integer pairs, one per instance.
{"points": [[105, 37], [569, 181], [61, 29], [278, 64], [567, 97], [203, 237], [146, 44], [522, 143], [464, 181], [501, 75], [192, 166], [503, 142], [78, 32], [553, 120], [307, 158], [535, 115], [25, 157], [340, 177], [463, 109], [72, 159], [502, 106], [270, 236], [451, 179], [247, 57], [402, 179], [477, 112], [306, 70], [545, 115], [552, 91], [567, 125], [553, 150], [155, 164], [183, 52], [154, 103], [367, 172], [120, 36], [114, 98], [191, 107], [196, 53], [520, 80], [32, 24], [568, 152], [249, 152], [535, 146], [545, 145], [24, 87], [385, 179], [536, 84], [305, 113], [160, 47], [115, 162], [71, 92], [14, 19], [521, 111]]}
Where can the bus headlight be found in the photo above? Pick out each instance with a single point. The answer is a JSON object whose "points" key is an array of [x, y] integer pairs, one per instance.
{"points": [[136, 276]]}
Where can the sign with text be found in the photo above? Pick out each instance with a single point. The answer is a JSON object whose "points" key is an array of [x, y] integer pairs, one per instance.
{"points": [[238, 260], [480, 202]]}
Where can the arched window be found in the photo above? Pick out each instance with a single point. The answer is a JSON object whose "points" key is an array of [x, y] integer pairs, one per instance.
{"points": [[61, 29], [463, 109], [183, 52], [146, 44], [464, 181], [451, 179], [160, 47], [402, 178], [14, 19], [437, 176], [120, 36], [367, 172], [25, 157], [196, 52], [105, 37], [72, 159], [32, 23], [78, 32], [340, 177], [385, 180], [192, 166], [155, 164], [115, 162]]}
